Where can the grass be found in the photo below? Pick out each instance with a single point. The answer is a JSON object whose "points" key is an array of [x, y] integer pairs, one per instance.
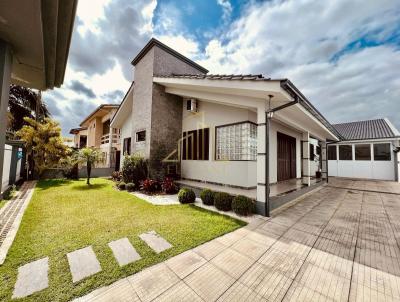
{"points": [[67, 215]]}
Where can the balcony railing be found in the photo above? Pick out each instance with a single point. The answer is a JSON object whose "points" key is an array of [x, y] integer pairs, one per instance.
{"points": [[105, 139]]}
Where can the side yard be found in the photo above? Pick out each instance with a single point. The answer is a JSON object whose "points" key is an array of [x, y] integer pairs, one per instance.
{"points": [[64, 216]]}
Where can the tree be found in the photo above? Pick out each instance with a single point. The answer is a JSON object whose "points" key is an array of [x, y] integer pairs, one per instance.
{"points": [[24, 102], [89, 156], [43, 142]]}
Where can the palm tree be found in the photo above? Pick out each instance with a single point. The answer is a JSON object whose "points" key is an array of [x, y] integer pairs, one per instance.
{"points": [[24, 102], [89, 156]]}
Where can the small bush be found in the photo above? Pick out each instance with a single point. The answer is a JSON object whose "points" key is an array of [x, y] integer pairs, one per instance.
{"points": [[242, 205], [168, 186], [116, 176], [122, 185], [186, 195], [134, 169], [207, 196], [150, 185], [130, 186], [223, 201]]}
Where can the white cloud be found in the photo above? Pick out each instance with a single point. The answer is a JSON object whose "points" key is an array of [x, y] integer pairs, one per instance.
{"points": [[183, 45], [226, 9]]}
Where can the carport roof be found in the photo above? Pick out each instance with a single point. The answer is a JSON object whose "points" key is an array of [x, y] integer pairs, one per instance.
{"points": [[369, 129]]}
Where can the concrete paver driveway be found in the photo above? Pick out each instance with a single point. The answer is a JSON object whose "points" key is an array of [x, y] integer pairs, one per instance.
{"points": [[336, 244]]}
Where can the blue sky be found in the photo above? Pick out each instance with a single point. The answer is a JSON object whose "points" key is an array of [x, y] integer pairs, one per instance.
{"points": [[344, 55]]}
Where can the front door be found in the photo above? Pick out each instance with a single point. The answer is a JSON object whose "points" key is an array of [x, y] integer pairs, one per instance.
{"points": [[286, 157]]}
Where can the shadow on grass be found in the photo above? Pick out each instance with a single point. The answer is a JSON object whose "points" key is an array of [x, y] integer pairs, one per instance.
{"points": [[85, 187], [45, 184]]}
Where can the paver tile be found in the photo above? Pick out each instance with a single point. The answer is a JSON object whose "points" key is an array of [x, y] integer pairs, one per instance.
{"points": [[179, 292], [323, 282], [239, 293], [185, 263], [231, 238], [210, 249], [274, 228], [32, 277], [123, 251], [155, 241], [83, 263], [119, 291], [153, 281], [232, 262], [250, 248], [209, 282], [300, 293]]}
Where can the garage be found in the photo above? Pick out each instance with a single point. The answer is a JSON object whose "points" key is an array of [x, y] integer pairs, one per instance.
{"points": [[368, 150]]}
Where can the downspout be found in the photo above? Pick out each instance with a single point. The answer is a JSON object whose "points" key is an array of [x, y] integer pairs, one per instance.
{"points": [[268, 116]]}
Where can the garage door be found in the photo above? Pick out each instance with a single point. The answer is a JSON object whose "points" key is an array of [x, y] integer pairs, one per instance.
{"points": [[363, 160]]}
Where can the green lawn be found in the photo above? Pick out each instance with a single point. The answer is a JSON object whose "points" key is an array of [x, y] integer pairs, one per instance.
{"points": [[67, 215]]}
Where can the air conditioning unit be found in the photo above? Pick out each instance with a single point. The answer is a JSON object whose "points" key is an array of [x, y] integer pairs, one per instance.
{"points": [[191, 105]]}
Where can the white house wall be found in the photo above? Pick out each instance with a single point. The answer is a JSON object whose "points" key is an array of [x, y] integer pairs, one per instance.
{"points": [[126, 132], [379, 170], [210, 115]]}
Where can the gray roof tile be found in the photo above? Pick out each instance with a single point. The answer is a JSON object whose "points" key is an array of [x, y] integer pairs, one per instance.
{"points": [[361, 130], [242, 77]]}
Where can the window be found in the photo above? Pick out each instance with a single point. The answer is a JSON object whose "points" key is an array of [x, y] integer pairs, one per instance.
{"points": [[196, 144], [345, 152], [106, 127], [382, 152], [127, 146], [236, 142], [332, 154], [363, 152], [312, 155], [141, 136]]}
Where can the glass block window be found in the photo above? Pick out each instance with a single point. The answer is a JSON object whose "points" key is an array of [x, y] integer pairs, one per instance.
{"points": [[236, 142]]}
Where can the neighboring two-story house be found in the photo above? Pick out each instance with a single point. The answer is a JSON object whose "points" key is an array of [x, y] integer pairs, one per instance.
{"points": [[95, 131]]}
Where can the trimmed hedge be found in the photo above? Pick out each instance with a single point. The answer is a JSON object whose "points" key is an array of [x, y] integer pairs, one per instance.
{"points": [[186, 195], [130, 186], [242, 205], [207, 196], [122, 185], [223, 201]]}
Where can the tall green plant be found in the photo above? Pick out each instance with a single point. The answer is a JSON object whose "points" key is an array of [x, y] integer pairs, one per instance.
{"points": [[134, 169], [89, 156]]}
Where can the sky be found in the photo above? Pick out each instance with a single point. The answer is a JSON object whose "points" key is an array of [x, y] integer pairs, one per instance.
{"points": [[344, 55]]}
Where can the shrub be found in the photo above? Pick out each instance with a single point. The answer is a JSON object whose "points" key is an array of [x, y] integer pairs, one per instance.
{"points": [[122, 185], [150, 185], [134, 169], [168, 186], [242, 205], [207, 196], [223, 201], [116, 176], [130, 186], [186, 195]]}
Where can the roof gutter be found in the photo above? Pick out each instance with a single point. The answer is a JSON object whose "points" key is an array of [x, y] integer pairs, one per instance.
{"points": [[294, 92]]}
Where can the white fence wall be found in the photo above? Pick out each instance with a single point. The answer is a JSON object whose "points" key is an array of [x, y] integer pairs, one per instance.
{"points": [[6, 167]]}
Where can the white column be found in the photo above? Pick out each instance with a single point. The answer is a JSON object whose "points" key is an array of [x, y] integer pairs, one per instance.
{"points": [[397, 162], [109, 147], [306, 179], [261, 156], [5, 77], [324, 166]]}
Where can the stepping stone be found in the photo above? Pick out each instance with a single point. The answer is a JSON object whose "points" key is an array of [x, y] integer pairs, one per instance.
{"points": [[32, 277], [83, 263], [123, 251], [155, 241]]}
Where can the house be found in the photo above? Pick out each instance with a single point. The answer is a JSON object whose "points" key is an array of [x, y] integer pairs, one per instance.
{"points": [[80, 137], [95, 131], [368, 150], [34, 44], [244, 134]]}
